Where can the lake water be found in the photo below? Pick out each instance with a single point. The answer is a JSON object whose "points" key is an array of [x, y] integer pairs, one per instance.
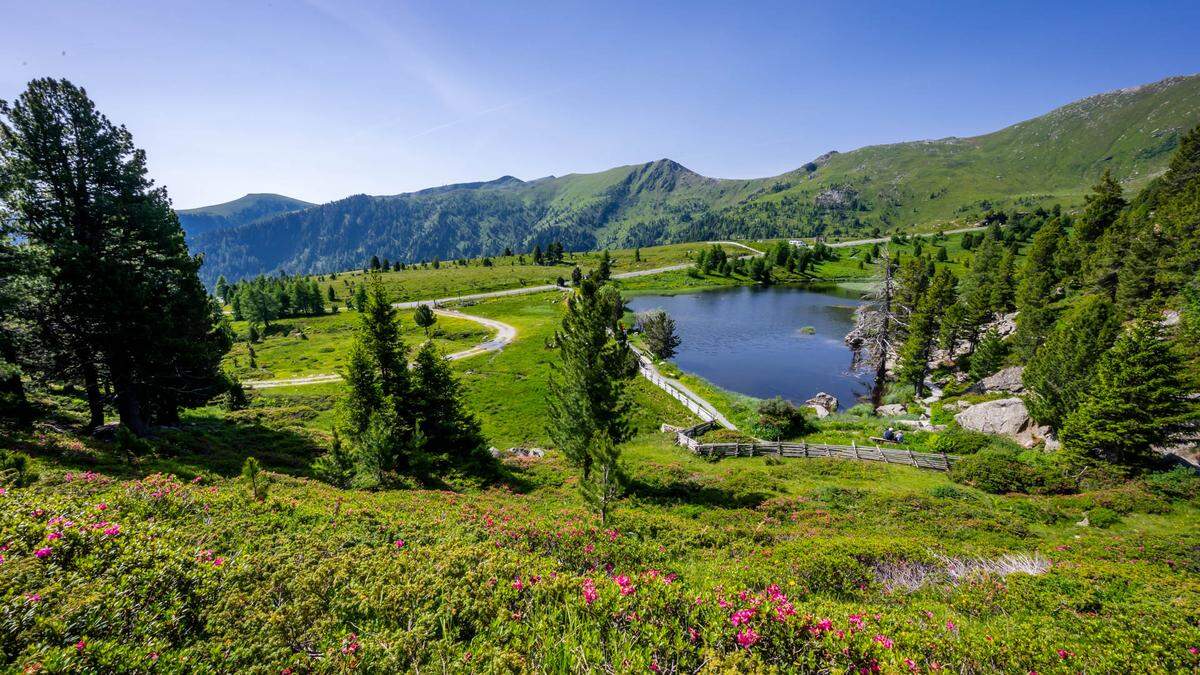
{"points": [[751, 340]]}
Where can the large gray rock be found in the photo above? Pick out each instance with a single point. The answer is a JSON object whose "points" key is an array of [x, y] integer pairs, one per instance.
{"points": [[1007, 380], [891, 410], [823, 404], [1003, 417]]}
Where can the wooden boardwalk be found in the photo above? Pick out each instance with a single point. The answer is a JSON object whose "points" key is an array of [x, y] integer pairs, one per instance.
{"points": [[921, 460]]}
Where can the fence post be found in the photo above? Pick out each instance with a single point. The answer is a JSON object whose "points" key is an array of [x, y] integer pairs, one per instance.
{"points": [[881, 454], [854, 446], [911, 457], [779, 448], [945, 461], [805, 448]]}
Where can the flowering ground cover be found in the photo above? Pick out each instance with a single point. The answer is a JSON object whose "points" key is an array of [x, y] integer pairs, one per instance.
{"points": [[743, 565]]}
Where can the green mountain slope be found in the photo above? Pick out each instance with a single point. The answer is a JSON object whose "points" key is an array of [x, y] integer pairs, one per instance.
{"points": [[240, 211], [1051, 158]]}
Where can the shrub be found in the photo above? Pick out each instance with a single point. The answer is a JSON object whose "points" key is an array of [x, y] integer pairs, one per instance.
{"points": [[1103, 518], [778, 419], [14, 469], [995, 470], [959, 441], [252, 474], [1178, 483]]}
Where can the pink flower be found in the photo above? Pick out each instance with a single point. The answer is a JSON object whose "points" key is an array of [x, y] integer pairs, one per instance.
{"points": [[399, 543], [950, 626], [33, 598], [1194, 650], [350, 644], [747, 637], [43, 552], [626, 585], [80, 645], [589, 548], [112, 531], [54, 535], [517, 585], [884, 640], [613, 534], [693, 634], [742, 616], [856, 621], [1064, 654], [218, 561], [102, 506], [589, 591]]}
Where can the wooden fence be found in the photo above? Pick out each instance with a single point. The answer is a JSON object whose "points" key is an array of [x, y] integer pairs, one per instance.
{"points": [[687, 402], [922, 460]]}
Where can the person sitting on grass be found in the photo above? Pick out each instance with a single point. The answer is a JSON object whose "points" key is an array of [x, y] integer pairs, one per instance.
{"points": [[889, 435], [899, 437]]}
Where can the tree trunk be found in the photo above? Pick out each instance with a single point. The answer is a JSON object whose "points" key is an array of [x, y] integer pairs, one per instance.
{"points": [[91, 385], [884, 337], [129, 406], [11, 387]]}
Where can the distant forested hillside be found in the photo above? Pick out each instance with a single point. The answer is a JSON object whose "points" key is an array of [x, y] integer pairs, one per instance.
{"points": [[1052, 158], [240, 211]]}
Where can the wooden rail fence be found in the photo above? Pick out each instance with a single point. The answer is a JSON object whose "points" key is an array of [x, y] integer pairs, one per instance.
{"points": [[922, 460]]}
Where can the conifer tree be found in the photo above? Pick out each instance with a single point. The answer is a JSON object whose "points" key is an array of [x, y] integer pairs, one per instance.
{"points": [[1061, 370], [424, 317], [604, 271], [603, 486], [452, 436], [586, 385], [1036, 290], [1135, 401], [658, 328], [128, 303], [988, 356], [1102, 208], [923, 327]]}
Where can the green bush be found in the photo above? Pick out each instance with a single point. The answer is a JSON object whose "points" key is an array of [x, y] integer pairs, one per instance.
{"points": [[1180, 483], [778, 419], [14, 469], [1103, 518], [994, 470], [958, 441]]}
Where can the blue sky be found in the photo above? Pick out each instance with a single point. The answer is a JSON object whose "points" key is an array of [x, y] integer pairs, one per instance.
{"points": [[326, 98]]}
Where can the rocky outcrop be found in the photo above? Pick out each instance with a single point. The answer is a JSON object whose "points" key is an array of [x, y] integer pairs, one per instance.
{"points": [[1007, 380], [1003, 417], [823, 404], [891, 410]]}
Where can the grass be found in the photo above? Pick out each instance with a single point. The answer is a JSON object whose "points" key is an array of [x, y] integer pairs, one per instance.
{"points": [[318, 345]]}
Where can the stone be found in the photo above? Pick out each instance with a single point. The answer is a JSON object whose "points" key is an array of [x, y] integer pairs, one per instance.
{"points": [[823, 404], [1004, 325], [1003, 417], [1007, 380], [535, 453], [891, 410]]}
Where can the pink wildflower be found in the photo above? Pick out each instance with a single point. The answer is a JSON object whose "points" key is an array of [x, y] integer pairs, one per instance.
{"points": [[693, 634], [112, 531], [950, 626], [912, 665], [589, 548], [43, 552], [218, 561], [1064, 654], [613, 534], [742, 616], [746, 637], [1194, 650], [399, 543], [589, 591], [856, 621], [350, 644], [33, 598], [517, 585], [102, 506], [884, 640], [654, 668], [79, 646]]}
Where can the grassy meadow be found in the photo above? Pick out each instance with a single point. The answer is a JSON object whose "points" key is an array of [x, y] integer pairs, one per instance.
{"points": [[155, 558]]}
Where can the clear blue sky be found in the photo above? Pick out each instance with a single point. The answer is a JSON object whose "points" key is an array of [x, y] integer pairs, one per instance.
{"points": [[327, 98]]}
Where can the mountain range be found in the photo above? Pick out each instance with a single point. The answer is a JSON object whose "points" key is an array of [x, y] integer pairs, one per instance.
{"points": [[921, 184]]}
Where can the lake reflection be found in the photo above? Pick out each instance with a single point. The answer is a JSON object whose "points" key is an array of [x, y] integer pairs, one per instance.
{"points": [[751, 340]]}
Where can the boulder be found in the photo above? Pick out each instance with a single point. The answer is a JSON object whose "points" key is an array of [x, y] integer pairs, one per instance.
{"points": [[1007, 380], [891, 410], [1003, 417], [823, 404], [1004, 325]]}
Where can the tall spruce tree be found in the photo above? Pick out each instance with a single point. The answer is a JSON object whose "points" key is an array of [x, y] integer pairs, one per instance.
{"points": [[586, 385], [1135, 401], [452, 435], [923, 327], [1102, 208], [1037, 288], [128, 305], [1060, 372]]}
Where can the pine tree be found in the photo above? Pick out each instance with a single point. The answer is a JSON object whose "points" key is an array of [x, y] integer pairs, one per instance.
{"points": [[1061, 370], [424, 317], [923, 327], [1036, 290], [1102, 208], [537, 254], [637, 254], [127, 300], [988, 356], [604, 271], [603, 486], [1135, 401], [658, 328], [586, 385], [452, 436], [576, 276]]}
